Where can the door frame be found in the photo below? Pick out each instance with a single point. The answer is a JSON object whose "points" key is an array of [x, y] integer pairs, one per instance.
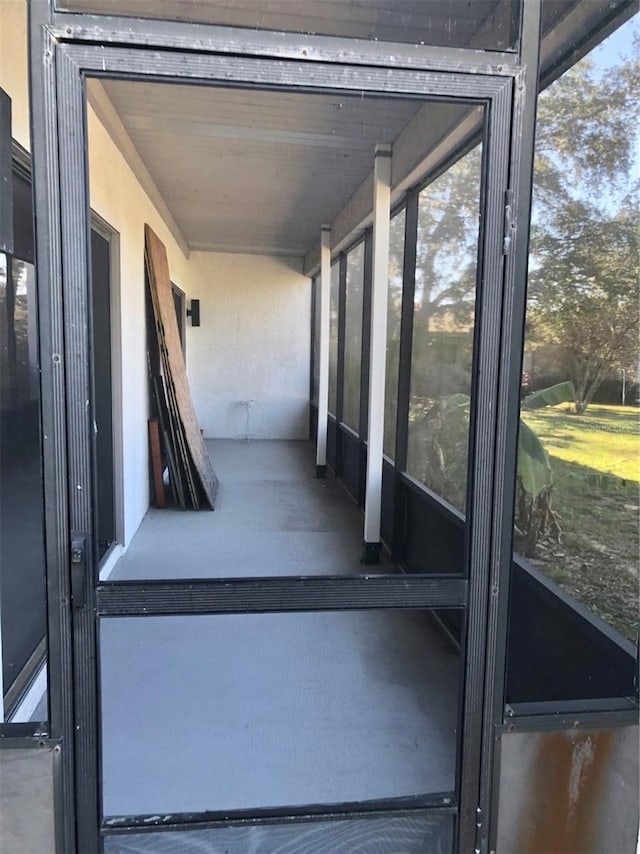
{"points": [[112, 236], [64, 49]]}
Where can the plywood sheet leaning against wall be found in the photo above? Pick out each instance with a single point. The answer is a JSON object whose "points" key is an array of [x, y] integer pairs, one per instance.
{"points": [[194, 462]]}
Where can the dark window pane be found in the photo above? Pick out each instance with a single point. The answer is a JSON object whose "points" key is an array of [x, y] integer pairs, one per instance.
{"points": [[333, 337], [577, 531], [22, 590], [578, 510], [394, 311], [443, 322], [353, 337], [316, 340]]}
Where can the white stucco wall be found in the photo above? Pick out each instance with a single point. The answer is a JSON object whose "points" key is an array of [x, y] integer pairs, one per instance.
{"points": [[118, 198], [248, 362], [14, 74]]}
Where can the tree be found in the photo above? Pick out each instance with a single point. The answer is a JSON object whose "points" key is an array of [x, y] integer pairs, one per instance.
{"points": [[446, 268], [583, 277], [446, 250]]}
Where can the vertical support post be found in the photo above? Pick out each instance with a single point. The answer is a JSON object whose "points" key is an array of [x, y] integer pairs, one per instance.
{"points": [[523, 134], [6, 176], [378, 351], [46, 183], [6, 243], [323, 345], [363, 424], [404, 370]]}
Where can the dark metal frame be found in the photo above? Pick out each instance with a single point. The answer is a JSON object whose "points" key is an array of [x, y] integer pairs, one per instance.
{"points": [[345, 433], [65, 47], [6, 169], [437, 805], [342, 302]]}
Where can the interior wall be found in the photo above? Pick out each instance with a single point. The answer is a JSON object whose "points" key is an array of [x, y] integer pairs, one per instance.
{"points": [[117, 196], [248, 362], [14, 75]]}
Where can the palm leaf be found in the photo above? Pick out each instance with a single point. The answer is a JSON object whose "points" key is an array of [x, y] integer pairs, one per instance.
{"points": [[554, 394]]}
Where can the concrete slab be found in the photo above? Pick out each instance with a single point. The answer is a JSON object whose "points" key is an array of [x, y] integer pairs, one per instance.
{"points": [[266, 710], [251, 711], [273, 517]]}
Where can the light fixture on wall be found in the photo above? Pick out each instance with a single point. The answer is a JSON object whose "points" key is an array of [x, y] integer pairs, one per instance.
{"points": [[194, 312]]}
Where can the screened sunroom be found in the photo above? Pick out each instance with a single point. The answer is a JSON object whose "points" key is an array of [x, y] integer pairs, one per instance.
{"points": [[272, 263]]}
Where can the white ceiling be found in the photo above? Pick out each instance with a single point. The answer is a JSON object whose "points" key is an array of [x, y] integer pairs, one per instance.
{"points": [[254, 171], [260, 171]]}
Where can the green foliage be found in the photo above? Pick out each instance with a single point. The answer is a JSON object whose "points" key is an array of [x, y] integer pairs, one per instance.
{"points": [[446, 251], [438, 447], [551, 396], [534, 468], [583, 277], [534, 483], [443, 435]]}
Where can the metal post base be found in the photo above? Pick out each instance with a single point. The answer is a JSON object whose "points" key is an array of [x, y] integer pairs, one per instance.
{"points": [[370, 554], [321, 471]]}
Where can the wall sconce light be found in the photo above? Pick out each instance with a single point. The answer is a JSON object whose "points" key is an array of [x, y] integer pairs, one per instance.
{"points": [[194, 312]]}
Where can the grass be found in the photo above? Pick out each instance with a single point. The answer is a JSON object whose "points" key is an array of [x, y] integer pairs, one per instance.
{"points": [[596, 465], [605, 439]]}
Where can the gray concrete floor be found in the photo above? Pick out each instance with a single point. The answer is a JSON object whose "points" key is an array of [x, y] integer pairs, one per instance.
{"points": [[266, 710], [273, 517]]}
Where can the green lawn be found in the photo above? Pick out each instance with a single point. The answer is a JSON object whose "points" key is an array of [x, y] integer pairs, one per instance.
{"points": [[596, 465], [605, 439]]}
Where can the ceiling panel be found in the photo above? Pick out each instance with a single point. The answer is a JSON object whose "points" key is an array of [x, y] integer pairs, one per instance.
{"points": [[254, 169]]}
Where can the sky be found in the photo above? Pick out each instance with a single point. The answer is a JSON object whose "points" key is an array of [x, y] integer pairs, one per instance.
{"points": [[618, 44]]}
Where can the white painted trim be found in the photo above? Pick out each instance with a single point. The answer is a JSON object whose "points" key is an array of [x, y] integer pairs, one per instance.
{"points": [[242, 249], [107, 115], [117, 385], [323, 380], [378, 345], [32, 698], [113, 238], [115, 553]]}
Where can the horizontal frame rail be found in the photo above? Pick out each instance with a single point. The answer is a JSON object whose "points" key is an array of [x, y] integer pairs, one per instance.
{"points": [[262, 595], [183, 35], [212, 69], [439, 803]]}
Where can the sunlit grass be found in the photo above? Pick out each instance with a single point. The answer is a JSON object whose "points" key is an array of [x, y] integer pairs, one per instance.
{"points": [[596, 471], [605, 439]]}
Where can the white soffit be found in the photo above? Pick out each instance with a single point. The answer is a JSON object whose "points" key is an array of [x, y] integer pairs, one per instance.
{"points": [[252, 171]]}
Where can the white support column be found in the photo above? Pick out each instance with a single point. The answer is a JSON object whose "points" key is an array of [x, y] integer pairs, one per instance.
{"points": [[323, 379], [377, 351]]}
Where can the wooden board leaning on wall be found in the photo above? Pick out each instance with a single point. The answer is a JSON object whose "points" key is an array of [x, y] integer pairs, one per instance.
{"points": [[192, 463]]}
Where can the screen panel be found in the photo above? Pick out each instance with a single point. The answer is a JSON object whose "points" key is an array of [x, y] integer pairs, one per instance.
{"points": [[260, 711], [353, 336], [443, 329], [483, 24], [410, 834]]}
